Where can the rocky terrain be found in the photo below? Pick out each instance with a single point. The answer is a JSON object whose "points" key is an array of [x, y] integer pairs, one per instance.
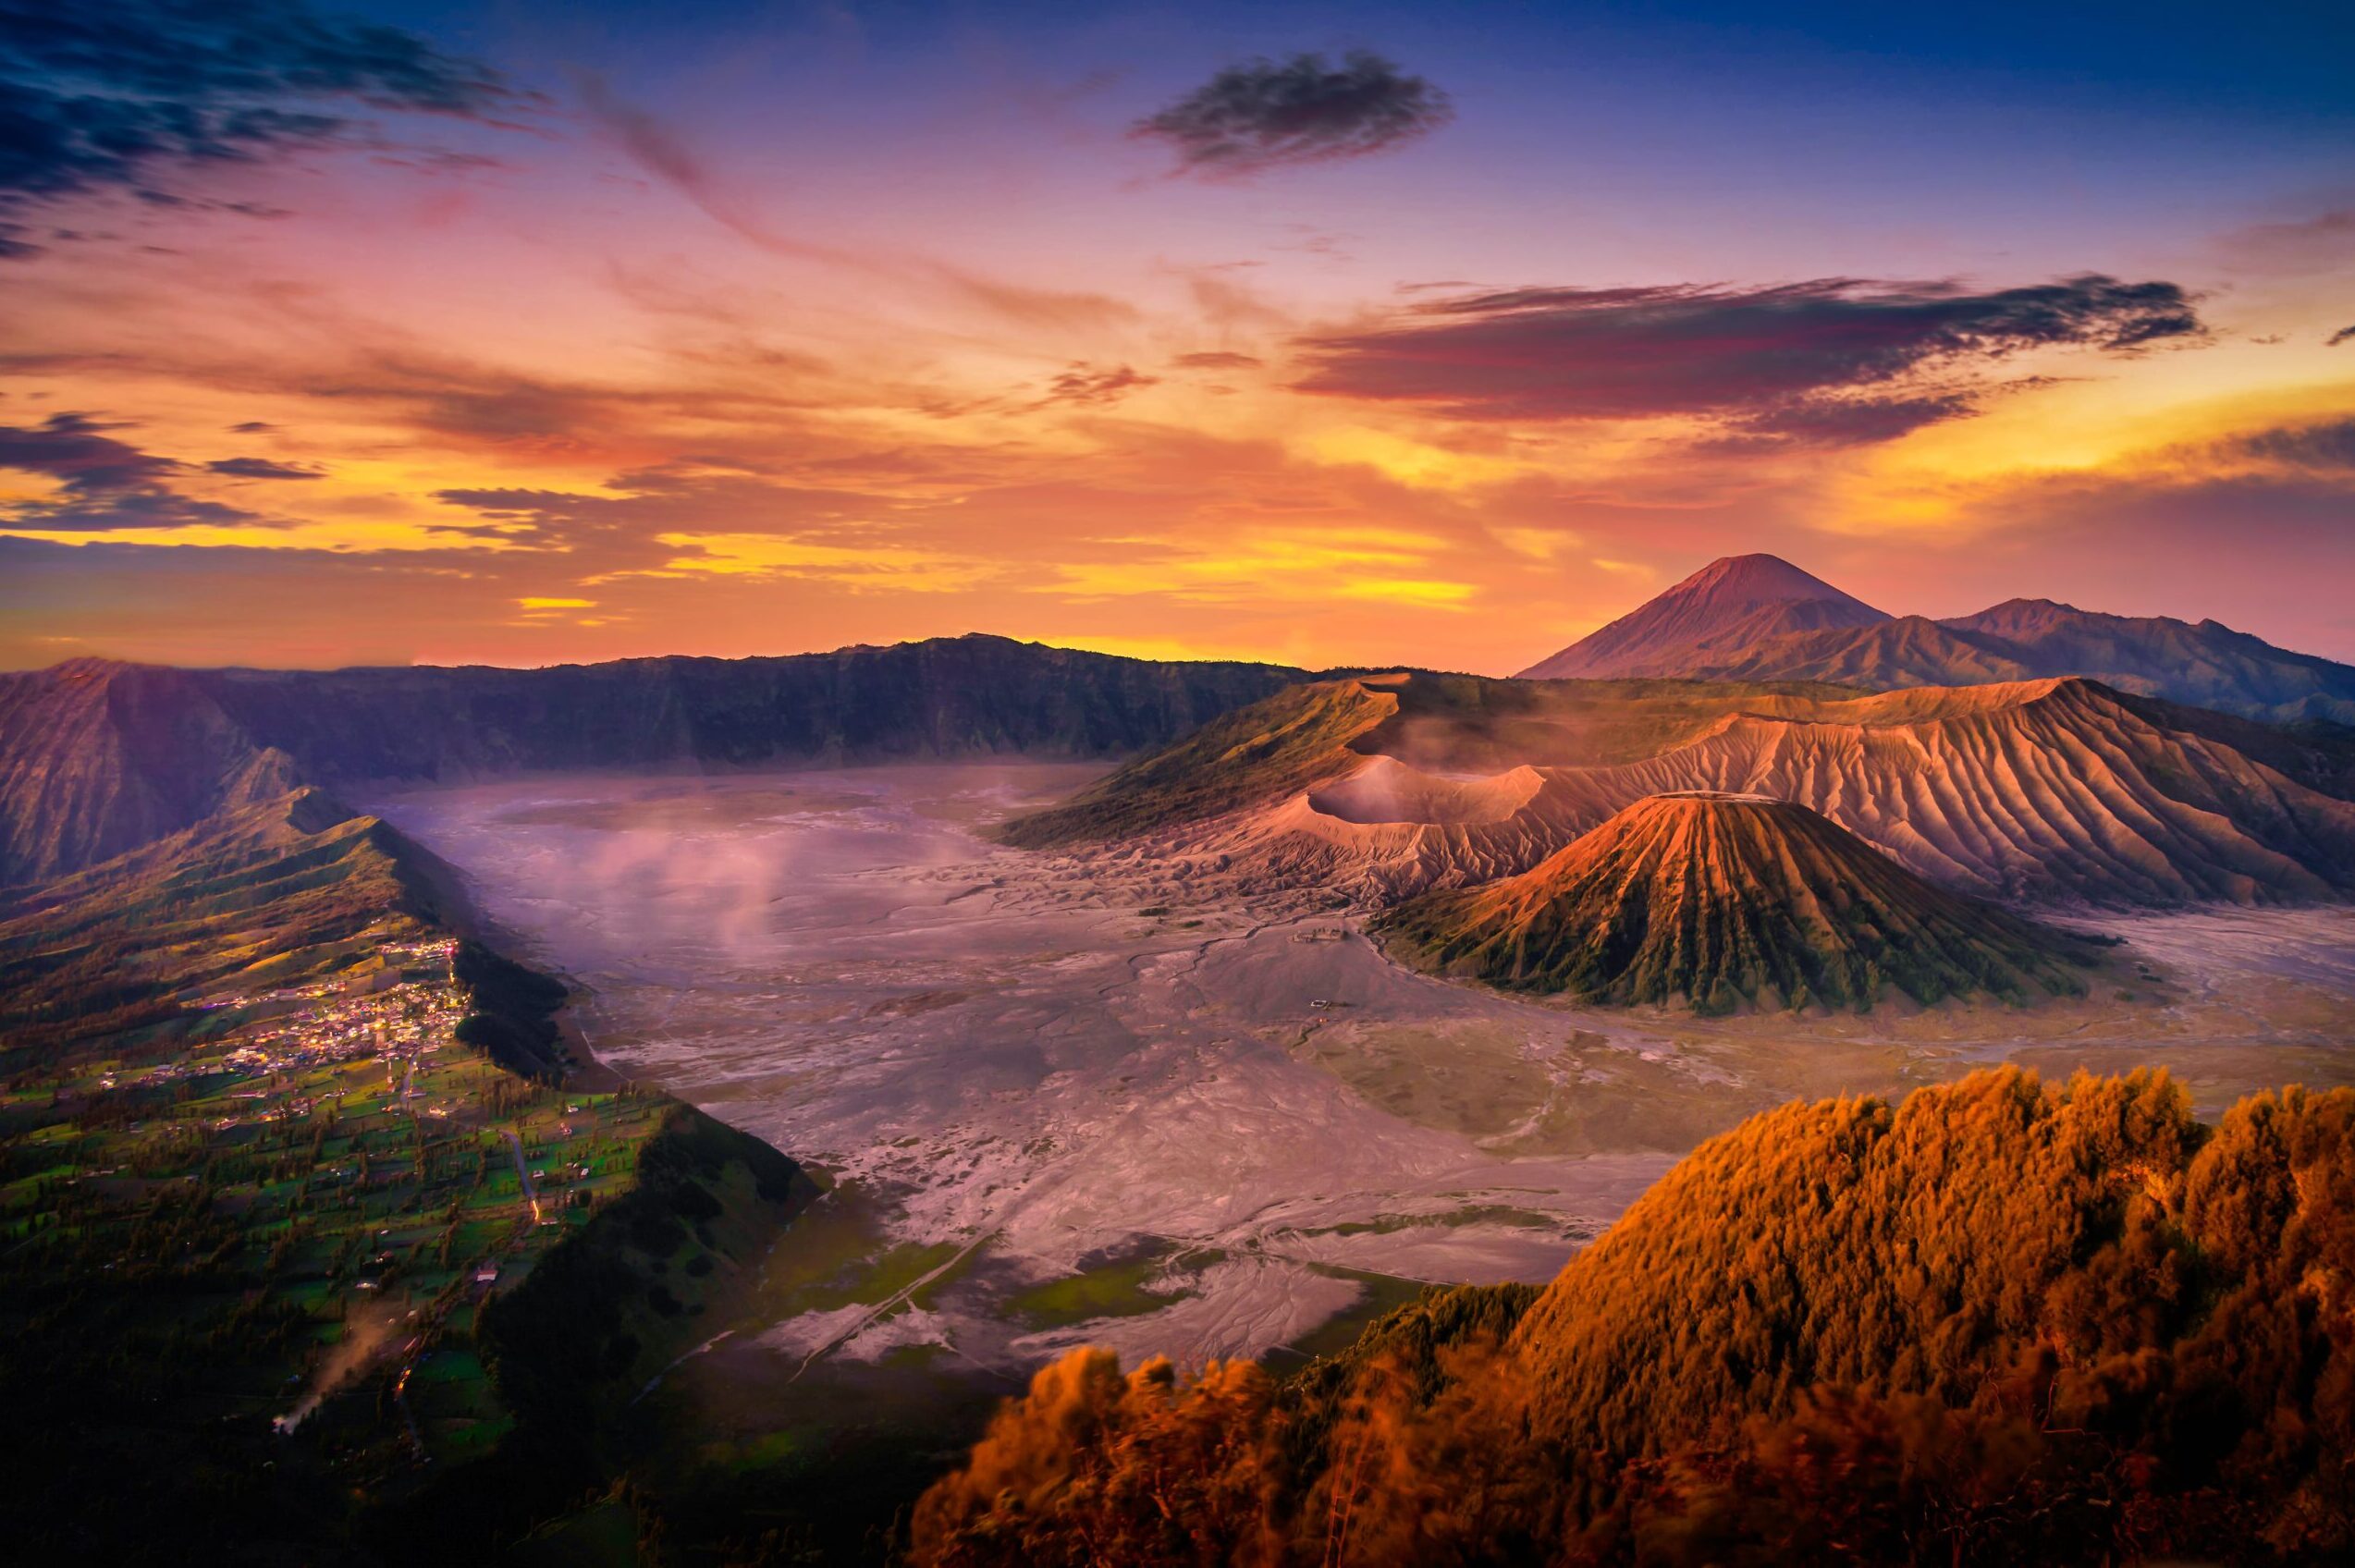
{"points": [[97, 758], [2049, 791], [1723, 901], [1095, 1052]]}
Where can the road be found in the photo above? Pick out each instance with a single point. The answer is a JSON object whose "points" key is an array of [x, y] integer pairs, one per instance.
{"points": [[531, 1193]]}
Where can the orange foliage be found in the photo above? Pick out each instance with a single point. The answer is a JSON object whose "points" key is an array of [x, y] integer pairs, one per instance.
{"points": [[2000, 1321], [1092, 1468]]}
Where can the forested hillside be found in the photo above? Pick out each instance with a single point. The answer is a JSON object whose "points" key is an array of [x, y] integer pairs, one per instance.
{"points": [[2001, 1321]]}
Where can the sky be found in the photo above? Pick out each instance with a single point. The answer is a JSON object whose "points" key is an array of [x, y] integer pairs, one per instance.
{"points": [[525, 333]]}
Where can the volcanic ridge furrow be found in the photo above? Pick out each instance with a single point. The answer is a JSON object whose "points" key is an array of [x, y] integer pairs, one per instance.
{"points": [[1721, 901], [2052, 790]]}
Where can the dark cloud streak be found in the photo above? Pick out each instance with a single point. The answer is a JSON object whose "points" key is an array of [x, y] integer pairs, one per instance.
{"points": [[121, 95], [1818, 423], [262, 467], [75, 450], [1790, 360], [1218, 359], [1269, 114], [2328, 447], [1082, 384], [104, 484]]}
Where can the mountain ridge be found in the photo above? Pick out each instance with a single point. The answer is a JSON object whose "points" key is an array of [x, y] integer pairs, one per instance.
{"points": [[99, 756], [2053, 792], [2205, 664]]}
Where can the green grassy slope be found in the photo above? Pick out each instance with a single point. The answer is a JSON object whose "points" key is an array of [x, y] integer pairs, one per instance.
{"points": [[275, 1144]]}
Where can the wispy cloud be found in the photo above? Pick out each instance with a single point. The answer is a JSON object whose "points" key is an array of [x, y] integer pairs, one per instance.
{"points": [[1085, 384], [262, 467], [1218, 359], [2324, 242], [663, 152]]}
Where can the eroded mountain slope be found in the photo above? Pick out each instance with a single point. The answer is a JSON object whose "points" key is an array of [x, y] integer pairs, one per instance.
{"points": [[97, 758], [1718, 901], [2057, 790]]}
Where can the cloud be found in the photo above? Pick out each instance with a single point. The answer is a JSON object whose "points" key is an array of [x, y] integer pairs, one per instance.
{"points": [[127, 94], [1048, 309], [1822, 423], [1776, 356], [614, 531], [450, 395], [103, 485], [150, 506], [2342, 335], [2325, 448], [1269, 114], [663, 152], [1082, 384], [253, 427], [263, 468], [75, 450], [1218, 359]]}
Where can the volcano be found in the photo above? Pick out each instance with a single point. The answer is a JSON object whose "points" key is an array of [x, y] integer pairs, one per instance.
{"points": [[1726, 607], [1721, 901], [1760, 619]]}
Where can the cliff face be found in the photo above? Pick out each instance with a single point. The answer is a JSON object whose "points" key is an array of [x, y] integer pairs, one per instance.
{"points": [[98, 758], [949, 698]]}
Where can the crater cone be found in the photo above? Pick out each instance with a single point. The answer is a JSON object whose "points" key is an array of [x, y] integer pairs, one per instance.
{"points": [[1721, 900]]}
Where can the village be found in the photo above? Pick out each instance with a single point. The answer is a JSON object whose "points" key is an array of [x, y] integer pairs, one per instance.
{"points": [[352, 1183]]}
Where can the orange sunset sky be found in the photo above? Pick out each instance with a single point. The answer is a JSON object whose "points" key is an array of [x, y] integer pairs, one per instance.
{"points": [[535, 334]]}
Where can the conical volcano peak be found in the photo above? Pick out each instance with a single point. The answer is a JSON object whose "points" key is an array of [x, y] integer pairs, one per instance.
{"points": [[1720, 901], [1757, 579], [1729, 604]]}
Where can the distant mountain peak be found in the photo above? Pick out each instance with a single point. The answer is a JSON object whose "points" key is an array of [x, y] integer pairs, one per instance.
{"points": [[1733, 602], [1758, 617], [1759, 576]]}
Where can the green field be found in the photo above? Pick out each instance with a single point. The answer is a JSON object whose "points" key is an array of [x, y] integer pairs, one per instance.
{"points": [[280, 1159]]}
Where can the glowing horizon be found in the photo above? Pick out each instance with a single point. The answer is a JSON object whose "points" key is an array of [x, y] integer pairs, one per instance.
{"points": [[560, 334]]}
